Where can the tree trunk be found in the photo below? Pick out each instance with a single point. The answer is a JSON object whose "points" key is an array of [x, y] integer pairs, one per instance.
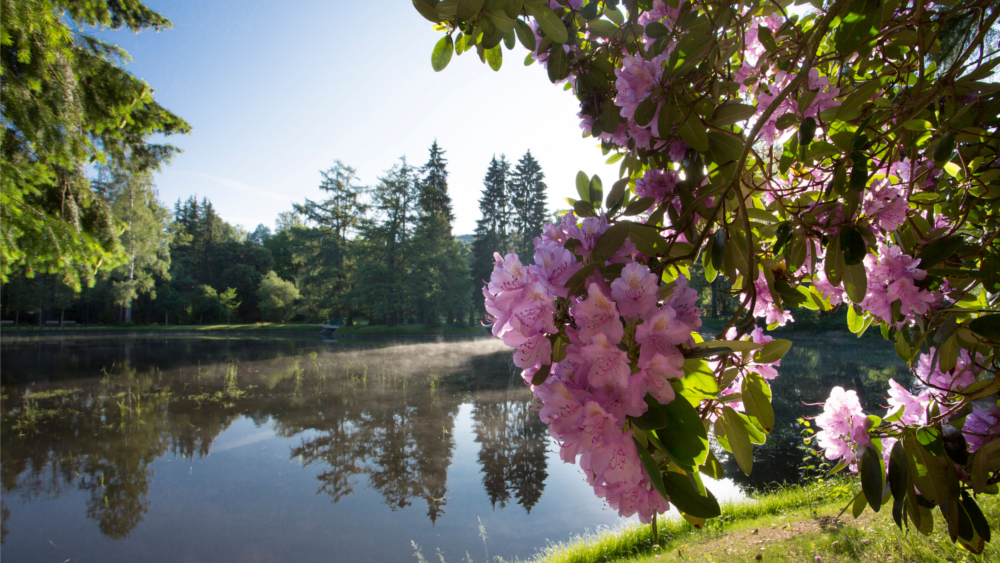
{"points": [[17, 317], [62, 318]]}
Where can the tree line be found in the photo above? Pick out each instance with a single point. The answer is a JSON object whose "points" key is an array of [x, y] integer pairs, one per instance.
{"points": [[385, 253]]}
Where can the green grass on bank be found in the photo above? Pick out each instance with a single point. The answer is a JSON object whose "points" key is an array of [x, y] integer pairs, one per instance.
{"points": [[414, 329], [256, 327], [797, 524]]}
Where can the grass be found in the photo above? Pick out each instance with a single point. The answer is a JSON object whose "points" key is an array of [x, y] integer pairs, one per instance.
{"points": [[257, 327], [791, 525], [414, 329]]}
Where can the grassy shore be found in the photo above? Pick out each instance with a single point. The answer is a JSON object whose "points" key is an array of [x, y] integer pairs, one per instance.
{"points": [[256, 328], [798, 525], [415, 329]]}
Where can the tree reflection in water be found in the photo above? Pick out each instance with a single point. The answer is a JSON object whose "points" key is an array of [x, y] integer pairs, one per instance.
{"points": [[512, 442], [93, 415], [385, 414]]}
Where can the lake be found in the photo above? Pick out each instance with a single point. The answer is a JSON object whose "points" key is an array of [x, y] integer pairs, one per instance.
{"points": [[173, 448]]}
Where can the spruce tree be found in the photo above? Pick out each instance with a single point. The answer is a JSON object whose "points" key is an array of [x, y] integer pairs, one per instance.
{"points": [[439, 271], [492, 230], [527, 198]]}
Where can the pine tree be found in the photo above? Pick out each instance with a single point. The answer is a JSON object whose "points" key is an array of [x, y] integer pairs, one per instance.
{"points": [[527, 198]]}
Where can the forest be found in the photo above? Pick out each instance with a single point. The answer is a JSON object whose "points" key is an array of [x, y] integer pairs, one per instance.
{"points": [[384, 253]]}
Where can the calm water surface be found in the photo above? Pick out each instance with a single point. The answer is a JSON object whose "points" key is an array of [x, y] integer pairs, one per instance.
{"points": [[202, 449]]}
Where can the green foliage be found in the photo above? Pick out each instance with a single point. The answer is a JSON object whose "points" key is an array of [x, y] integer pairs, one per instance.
{"points": [[67, 102], [276, 297]]}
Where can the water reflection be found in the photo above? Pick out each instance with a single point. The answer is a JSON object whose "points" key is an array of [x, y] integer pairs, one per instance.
{"points": [[383, 413], [93, 420], [512, 450]]}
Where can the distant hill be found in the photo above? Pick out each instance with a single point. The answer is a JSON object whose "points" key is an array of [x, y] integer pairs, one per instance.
{"points": [[466, 238]]}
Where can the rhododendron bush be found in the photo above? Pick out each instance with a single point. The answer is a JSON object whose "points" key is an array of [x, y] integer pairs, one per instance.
{"points": [[833, 154]]}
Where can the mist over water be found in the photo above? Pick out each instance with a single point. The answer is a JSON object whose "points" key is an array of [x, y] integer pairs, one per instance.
{"points": [[244, 449]]}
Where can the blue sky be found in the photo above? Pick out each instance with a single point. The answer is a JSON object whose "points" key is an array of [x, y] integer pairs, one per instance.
{"points": [[276, 91]]}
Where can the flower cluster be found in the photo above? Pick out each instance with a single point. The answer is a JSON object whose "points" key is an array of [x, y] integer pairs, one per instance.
{"points": [[622, 343], [892, 277]]}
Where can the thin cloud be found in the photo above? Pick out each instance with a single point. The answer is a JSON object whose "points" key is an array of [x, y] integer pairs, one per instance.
{"points": [[237, 185]]}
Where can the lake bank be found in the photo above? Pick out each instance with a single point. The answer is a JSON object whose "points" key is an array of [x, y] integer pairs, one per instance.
{"points": [[795, 524], [249, 329]]}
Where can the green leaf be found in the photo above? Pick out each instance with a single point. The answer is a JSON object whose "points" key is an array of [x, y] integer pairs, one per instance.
{"points": [[757, 401], [645, 111], [652, 471], [871, 472], [773, 351], [610, 241], [948, 354], [898, 476], [684, 494], [944, 148], [648, 240], [557, 68], [739, 438], [859, 26], [441, 55], [725, 148], [730, 113], [583, 185], [617, 193], [989, 272], [640, 205], [918, 125], [833, 263], [938, 251], [929, 472], [733, 345], [712, 467], [693, 132], [855, 322], [551, 25], [856, 282], [684, 435], [584, 209], [699, 381], [987, 326], [426, 9], [494, 57], [541, 375], [852, 244], [786, 121], [859, 505], [596, 190], [979, 522], [525, 35]]}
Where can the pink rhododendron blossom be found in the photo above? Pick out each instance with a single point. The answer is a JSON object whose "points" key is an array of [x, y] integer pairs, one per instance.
{"points": [[891, 278], [981, 427], [589, 230], [635, 78], [598, 315], [657, 184], [914, 406], [766, 308], [636, 291], [940, 382], [608, 364], [841, 424], [554, 265]]}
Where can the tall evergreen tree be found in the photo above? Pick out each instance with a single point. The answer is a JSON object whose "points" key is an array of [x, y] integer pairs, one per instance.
{"points": [[492, 229], [528, 203], [434, 198], [439, 270]]}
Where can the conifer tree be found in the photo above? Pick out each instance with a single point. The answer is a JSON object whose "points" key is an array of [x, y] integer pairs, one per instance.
{"points": [[492, 230], [440, 273], [527, 199]]}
